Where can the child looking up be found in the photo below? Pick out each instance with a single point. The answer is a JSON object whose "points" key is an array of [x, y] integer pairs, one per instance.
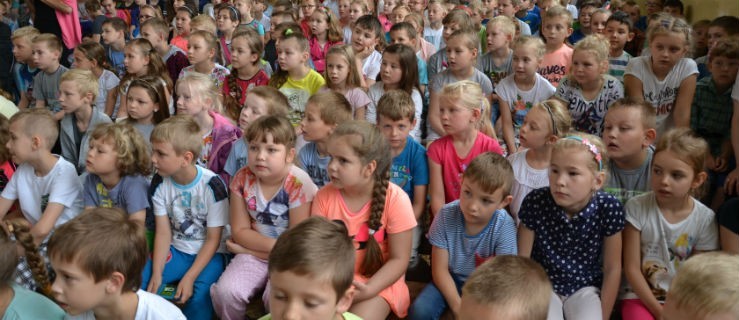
{"points": [[462, 108], [77, 92], [343, 76], [467, 232], [619, 31], [378, 216], [91, 56], [325, 33], [557, 60], [323, 112], [269, 196], [190, 209], [665, 78], [666, 226], [589, 90], [92, 280], [246, 49], [47, 50], [573, 229]]}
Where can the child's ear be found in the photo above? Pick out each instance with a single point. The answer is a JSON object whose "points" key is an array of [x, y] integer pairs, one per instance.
{"points": [[345, 301], [115, 282], [552, 139], [699, 179], [631, 36], [36, 142], [476, 114], [369, 169], [650, 135], [290, 157], [600, 180], [505, 201], [188, 157]]}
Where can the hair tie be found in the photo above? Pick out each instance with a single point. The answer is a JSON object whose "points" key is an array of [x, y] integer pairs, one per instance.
{"points": [[551, 116], [378, 234], [591, 147], [288, 31]]}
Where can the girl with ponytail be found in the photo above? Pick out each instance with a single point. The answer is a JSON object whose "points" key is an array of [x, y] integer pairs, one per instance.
{"points": [[378, 216]]}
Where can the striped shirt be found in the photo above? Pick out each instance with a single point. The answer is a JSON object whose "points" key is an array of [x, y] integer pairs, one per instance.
{"points": [[617, 66]]}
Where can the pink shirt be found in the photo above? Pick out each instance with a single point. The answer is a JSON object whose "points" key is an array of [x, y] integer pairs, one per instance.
{"points": [[70, 25], [442, 152], [556, 65], [318, 52]]}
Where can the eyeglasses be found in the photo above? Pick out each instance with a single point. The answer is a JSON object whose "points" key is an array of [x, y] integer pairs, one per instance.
{"points": [[308, 6]]}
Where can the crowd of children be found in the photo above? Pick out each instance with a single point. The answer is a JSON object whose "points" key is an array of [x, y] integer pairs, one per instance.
{"points": [[190, 158]]}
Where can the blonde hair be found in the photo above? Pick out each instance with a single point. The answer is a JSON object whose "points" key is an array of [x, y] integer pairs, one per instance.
{"points": [[706, 285], [687, 146], [470, 39], [203, 22], [505, 24], [557, 12], [133, 151], [534, 42], [38, 122], [50, 40], [279, 127], [354, 78], [182, 132], [517, 286], [4, 138], [589, 143], [417, 19], [202, 86], [468, 95], [277, 104], [27, 33], [333, 106], [646, 110], [396, 105], [490, 172], [334, 32], [561, 121], [666, 24], [596, 44], [85, 81]]}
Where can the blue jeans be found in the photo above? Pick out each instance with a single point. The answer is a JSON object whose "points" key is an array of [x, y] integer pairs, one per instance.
{"points": [[199, 306], [430, 303]]}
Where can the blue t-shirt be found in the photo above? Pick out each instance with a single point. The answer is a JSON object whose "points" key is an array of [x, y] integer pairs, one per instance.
{"points": [[410, 167], [129, 194], [237, 158], [466, 252], [116, 61], [315, 165], [570, 249], [423, 76], [533, 19]]}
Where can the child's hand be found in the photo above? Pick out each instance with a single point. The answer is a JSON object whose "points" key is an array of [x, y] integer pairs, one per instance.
{"points": [[235, 248], [154, 283], [721, 163], [731, 185], [363, 292], [184, 290]]}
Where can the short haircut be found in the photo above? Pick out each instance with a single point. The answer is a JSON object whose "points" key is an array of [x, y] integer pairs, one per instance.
{"points": [[516, 285], [318, 248], [130, 146], [461, 18], [204, 22], [50, 40], [396, 105], [92, 5], [118, 24], [102, 241], [646, 110], [85, 81], [471, 40], [675, 4], [286, 15], [27, 33], [622, 18], [182, 132], [588, 3], [407, 27], [534, 42], [557, 12], [730, 24], [157, 24], [506, 25], [491, 172], [727, 47], [38, 122], [333, 106], [706, 285], [279, 127]]}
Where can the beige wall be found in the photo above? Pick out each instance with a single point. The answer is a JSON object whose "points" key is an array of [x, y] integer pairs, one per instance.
{"points": [[706, 9]]}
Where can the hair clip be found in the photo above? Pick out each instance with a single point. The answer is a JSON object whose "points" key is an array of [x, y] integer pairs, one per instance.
{"points": [[288, 31], [592, 148], [379, 234]]}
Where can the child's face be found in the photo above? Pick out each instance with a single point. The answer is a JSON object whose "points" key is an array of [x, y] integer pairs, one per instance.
{"points": [[224, 22], [244, 8], [571, 178], [389, 6], [295, 296], [178, 3], [460, 57], [624, 134], [401, 37], [667, 49], [654, 6], [81, 61], [254, 108], [344, 9], [110, 35], [479, 206], [307, 7], [715, 33], [723, 70], [700, 37], [456, 118], [290, 55], [436, 13], [490, 7], [165, 160], [140, 105], [585, 17], [633, 12], [182, 23], [586, 68], [146, 14], [525, 61], [618, 35], [273, 23], [363, 39], [22, 50], [150, 34], [313, 127], [108, 6], [345, 168], [449, 28], [337, 68], [525, 5], [673, 178], [102, 158], [190, 103], [70, 97], [20, 144], [318, 23], [556, 30], [75, 289], [44, 57], [536, 129], [198, 51], [355, 11], [134, 61], [391, 70], [396, 132], [417, 6], [241, 54], [496, 38], [399, 15], [268, 159], [506, 8], [598, 22]]}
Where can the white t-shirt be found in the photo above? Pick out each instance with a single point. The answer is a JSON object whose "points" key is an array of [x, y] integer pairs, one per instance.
{"points": [[61, 185], [150, 307], [375, 93], [520, 102], [665, 246], [434, 36], [192, 208], [525, 179], [525, 29], [661, 94], [371, 65]]}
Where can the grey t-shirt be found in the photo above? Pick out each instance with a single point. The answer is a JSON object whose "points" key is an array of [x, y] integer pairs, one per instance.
{"points": [[46, 88], [130, 194], [495, 72], [626, 184]]}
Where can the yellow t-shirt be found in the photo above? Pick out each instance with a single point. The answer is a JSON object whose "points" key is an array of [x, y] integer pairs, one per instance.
{"points": [[298, 92]]}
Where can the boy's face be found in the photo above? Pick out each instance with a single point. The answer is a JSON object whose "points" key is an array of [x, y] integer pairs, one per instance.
{"points": [[633, 12], [478, 206], [71, 98], [307, 7], [449, 28], [624, 133], [436, 12], [715, 34], [22, 50], [75, 289], [395, 132], [313, 127], [525, 4], [723, 70], [44, 57], [654, 6], [585, 17], [506, 8], [417, 6], [496, 38], [165, 160], [700, 36], [20, 144], [150, 34], [111, 35], [618, 35], [344, 9], [302, 297], [399, 15], [556, 30], [490, 7], [401, 37]]}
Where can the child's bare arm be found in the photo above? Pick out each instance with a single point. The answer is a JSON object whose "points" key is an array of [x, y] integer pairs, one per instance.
{"points": [[298, 214], [162, 241], [683, 101], [212, 241], [138, 216], [41, 229], [506, 120], [419, 200], [634, 88], [433, 117], [399, 245], [5, 205], [23, 104], [241, 229], [110, 101], [436, 187], [442, 279], [525, 241], [731, 186], [611, 273]]}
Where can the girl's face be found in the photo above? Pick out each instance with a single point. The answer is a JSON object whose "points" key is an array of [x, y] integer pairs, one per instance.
{"points": [[337, 68], [224, 22], [198, 51], [525, 61], [715, 33], [417, 6], [290, 55], [667, 49], [389, 6], [363, 39], [673, 178], [140, 105], [190, 102], [268, 159], [449, 28], [241, 54], [108, 6], [134, 61], [572, 181], [456, 118], [490, 7], [307, 7], [318, 23], [399, 15], [102, 158], [254, 107], [598, 22], [344, 9], [345, 168], [182, 23], [355, 11], [391, 70], [536, 128], [586, 68], [243, 7], [146, 14], [459, 56], [178, 3], [81, 61]]}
